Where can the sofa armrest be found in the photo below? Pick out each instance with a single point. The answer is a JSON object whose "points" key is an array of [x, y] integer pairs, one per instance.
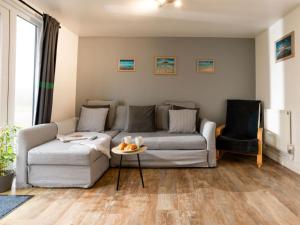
{"points": [[27, 139], [207, 130]]}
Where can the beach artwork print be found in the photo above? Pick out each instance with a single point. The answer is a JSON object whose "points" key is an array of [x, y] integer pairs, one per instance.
{"points": [[126, 65], [205, 66], [165, 65], [285, 47]]}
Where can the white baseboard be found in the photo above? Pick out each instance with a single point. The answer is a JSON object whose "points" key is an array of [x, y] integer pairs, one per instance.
{"points": [[283, 159]]}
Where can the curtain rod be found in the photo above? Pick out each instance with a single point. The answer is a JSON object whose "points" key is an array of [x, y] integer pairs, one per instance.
{"points": [[29, 6], [36, 11]]}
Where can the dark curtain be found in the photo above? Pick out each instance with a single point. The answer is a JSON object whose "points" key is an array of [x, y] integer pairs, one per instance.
{"points": [[47, 70]]}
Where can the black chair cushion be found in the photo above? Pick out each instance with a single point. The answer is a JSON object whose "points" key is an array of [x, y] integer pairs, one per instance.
{"points": [[242, 119], [247, 146]]}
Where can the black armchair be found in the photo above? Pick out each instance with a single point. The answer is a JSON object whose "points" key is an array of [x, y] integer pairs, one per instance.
{"points": [[241, 134]]}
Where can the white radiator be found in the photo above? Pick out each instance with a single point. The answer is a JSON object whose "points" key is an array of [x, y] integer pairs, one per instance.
{"points": [[277, 124]]}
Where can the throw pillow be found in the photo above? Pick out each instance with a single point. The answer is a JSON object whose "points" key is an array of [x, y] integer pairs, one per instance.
{"points": [[141, 118], [182, 121], [121, 117], [112, 112], [66, 126], [92, 119], [162, 117], [101, 106], [176, 107]]}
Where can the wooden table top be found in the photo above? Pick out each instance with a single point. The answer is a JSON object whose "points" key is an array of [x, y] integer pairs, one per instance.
{"points": [[117, 151]]}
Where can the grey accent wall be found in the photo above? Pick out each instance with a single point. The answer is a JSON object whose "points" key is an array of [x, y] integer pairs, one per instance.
{"points": [[234, 76]]}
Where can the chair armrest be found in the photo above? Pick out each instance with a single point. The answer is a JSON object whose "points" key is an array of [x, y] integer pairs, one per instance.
{"points": [[207, 130], [27, 139], [219, 130]]}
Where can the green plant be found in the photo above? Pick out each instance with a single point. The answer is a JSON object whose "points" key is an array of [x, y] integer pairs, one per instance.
{"points": [[7, 144]]}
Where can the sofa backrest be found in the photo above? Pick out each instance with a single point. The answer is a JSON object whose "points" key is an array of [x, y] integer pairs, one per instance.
{"points": [[161, 117], [161, 114], [185, 104]]}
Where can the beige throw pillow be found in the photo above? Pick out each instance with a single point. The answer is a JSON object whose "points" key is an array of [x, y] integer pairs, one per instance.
{"points": [[182, 121]]}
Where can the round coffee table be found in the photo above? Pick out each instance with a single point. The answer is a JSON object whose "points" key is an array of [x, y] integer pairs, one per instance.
{"points": [[117, 151]]}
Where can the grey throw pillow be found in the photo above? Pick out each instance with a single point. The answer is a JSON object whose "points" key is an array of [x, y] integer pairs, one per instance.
{"points": [[101, 106], [176, 107], [121, 117], [141, 118], [182, 121], [92, 119], [162, 117], [112, 111]]}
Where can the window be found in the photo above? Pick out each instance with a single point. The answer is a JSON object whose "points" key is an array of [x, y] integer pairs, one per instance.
{"points": [[4, 43], [19, 53], [24, 73]]}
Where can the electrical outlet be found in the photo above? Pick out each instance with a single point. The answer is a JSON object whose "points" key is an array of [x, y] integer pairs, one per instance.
{"points": [[291, 149]]}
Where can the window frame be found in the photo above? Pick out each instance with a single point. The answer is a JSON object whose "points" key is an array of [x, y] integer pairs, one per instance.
{"points": [[16, 9], [4, 64]]}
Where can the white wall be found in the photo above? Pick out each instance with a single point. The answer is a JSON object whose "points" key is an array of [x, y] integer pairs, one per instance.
{"points": [[64, 97], [278, 84], [234, 76]]}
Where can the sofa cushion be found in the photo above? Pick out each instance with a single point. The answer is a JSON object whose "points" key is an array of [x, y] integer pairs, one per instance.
{"points": [[163, 140], [112, 112], [66, 126], [121, 117], [100, 106], [162, 117], [59, 153], [182, 121], [141, 118], [92, 119], [175, 107], [112, 133]]}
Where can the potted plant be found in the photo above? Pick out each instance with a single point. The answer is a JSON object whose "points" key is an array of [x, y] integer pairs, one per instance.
{"points": [[7, 156]]}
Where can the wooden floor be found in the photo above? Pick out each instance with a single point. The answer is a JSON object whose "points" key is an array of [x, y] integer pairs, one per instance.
{"points": [[234, 193]]}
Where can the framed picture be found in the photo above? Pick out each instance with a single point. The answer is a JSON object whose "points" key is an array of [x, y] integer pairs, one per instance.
{"points": [[285, 47], [165, 65], [126, 65], [205, 66]]}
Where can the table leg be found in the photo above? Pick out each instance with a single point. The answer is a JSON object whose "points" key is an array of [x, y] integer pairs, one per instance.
{"points": [[141, 173], [120, 166]]}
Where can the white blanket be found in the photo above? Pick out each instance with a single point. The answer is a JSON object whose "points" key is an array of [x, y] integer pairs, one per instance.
{"points": [[101, 143]]}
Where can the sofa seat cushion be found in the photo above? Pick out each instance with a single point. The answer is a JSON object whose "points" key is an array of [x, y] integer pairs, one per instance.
{"points": [[58, 153], [112, 133], [163, 140]]}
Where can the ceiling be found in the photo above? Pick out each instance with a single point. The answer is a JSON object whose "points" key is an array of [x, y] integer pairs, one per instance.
{"points": [[196, 18]]}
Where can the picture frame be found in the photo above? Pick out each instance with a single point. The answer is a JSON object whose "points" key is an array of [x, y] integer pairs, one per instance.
{"points": [[205, 66], [285, 47], [165, 65], [126, 65]]}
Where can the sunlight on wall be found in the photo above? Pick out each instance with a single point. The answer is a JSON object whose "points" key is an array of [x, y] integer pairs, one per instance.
{"points": [[277, 72]]}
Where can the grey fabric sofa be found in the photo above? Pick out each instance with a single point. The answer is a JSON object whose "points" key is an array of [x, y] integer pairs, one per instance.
{"points": [[173, 150], [43, 161]]}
